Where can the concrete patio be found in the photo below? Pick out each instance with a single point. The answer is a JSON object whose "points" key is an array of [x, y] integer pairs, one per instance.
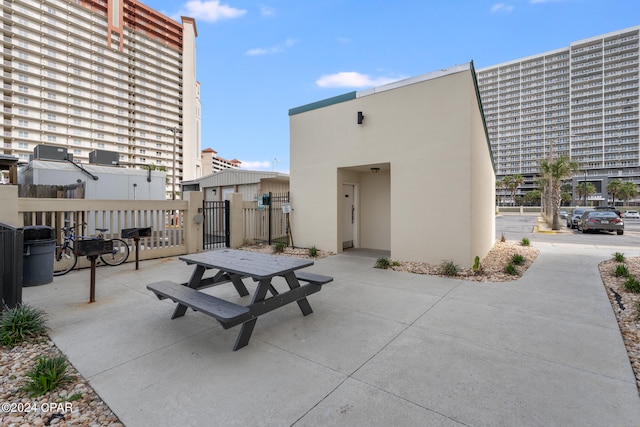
{"points": [[381, 348]]}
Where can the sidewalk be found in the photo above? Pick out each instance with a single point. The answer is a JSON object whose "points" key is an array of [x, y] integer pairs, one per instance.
{"points": [[381, 348]]}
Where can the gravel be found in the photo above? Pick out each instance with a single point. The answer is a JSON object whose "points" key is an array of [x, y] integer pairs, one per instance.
{"points": [[625, 307], [77, 404]]}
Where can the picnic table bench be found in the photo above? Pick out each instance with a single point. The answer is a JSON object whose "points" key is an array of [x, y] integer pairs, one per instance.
{"points": [[234, 266]]}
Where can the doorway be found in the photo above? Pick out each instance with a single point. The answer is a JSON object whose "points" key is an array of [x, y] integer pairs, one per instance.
{"points": [[349, 215]]}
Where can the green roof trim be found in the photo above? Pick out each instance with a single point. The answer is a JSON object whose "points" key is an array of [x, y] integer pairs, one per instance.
{"points": [[323, 103], [484, 120]]}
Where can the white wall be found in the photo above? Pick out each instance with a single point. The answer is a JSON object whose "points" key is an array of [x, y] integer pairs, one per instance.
{"points": [[433, 199]]}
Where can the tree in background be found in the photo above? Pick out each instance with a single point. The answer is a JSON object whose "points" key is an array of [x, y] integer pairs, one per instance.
{"points": [[628, 191], [511, 183], [554, 171], [613, 188], [583, 187], [532, 197], [566, 193]]}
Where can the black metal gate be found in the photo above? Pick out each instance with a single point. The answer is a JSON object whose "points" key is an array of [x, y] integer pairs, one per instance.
{"points": [[11, 250], [216, 225], [271, 222]]}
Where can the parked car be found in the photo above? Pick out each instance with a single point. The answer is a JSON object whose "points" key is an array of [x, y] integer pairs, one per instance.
{"points": [[563, 214], [601, 220], [608, 208], [631, 214], [572, 220]]}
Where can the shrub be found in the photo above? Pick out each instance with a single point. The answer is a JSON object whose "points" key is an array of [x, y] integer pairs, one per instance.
{"points": [[632, 285], [621, 271], [511, 269], [382, 263], [449, 268], [279, 247], [619, 257], [18, 324], [395, 263], [517, 259], [47, 375], [477, 268], [525, 242], [313, 252]]}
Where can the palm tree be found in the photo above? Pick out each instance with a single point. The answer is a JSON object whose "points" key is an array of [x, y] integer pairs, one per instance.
{"points": [[500, 185], [511, 183], [555, 171], [583, 188], [613, 188], [628, 191], [566, 192], [507, 182]]}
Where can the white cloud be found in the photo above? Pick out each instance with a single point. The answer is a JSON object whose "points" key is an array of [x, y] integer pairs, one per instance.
{"points": [[271, 50], [256, 165], [353, 79], [211, 10], [501, 7]]}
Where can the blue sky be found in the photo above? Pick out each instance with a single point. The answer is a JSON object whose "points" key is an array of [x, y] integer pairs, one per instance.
{"points": [[258, 59]]}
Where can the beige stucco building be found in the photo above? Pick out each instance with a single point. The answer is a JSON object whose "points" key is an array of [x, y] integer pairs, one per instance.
{"points": [[404, 167]]}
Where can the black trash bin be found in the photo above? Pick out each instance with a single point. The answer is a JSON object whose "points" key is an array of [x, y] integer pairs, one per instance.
{"points": [[37, 258]]}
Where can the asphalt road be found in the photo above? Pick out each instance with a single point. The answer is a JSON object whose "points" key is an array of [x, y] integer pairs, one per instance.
{"points": [[515, 227]]}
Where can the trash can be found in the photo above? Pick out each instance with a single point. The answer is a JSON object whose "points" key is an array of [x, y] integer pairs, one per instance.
{"points": [[37, 258]]}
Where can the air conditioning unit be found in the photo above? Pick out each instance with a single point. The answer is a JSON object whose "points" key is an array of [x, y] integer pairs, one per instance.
{"points": [[47, 152], [103, 157]]}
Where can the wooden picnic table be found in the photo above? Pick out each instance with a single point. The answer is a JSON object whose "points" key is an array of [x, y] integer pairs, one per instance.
{"points": [[233, 266]]}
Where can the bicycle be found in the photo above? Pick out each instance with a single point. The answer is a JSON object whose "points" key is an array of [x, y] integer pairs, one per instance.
{"points": [[65, 258]]}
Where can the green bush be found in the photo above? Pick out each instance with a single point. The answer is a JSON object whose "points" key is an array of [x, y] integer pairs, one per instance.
{"points": [[525, 242], [313, 252], [279, 247], [47, 375], [517, 259], [632, 285], [18, 324], [449, 268], [621, 271], [511, 269], [476, 265], [619, 257], [382, 263]]}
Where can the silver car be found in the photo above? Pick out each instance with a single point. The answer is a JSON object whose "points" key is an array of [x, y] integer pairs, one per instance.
{"points": [[601, 221], [572, 220]]}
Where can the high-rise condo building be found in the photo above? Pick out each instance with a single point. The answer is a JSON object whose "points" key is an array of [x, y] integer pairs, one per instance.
{"points": [[110, 75], [579, 101]]}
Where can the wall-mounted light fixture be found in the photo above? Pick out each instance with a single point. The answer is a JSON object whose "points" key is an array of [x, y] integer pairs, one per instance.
{"points": [[375, 170], [360, 117]]}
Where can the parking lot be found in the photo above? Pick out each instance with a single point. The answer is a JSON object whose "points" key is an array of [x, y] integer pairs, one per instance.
{"points": [[515, 227]]}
